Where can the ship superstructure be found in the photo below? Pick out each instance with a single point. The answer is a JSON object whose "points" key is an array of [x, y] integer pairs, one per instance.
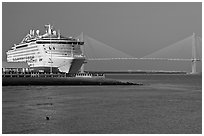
{"points": [[48, 52]]}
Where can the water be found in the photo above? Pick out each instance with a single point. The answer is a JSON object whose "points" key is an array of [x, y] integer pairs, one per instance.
{"points": [[164, 104]]}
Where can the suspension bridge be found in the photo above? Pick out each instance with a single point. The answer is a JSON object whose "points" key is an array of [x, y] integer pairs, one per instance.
{"points": [[187, 50]]}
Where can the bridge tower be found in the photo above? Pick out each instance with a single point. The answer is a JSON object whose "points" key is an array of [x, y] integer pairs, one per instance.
{"points": [[83, 53], [193, 63]]}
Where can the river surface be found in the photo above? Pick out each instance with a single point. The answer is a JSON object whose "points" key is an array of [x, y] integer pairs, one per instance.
{"points": [[165, 104]]}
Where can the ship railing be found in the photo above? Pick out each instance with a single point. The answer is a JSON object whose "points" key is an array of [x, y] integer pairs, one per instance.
{"points": [[16, 75], [40, 74], [32, 74], [91, 75]]}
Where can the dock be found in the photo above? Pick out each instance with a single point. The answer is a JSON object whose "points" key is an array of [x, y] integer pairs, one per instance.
{"points": [[23, 79]]}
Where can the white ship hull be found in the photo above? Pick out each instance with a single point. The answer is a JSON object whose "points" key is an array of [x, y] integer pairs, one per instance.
{"points": [[48, 51], [67, 65]]}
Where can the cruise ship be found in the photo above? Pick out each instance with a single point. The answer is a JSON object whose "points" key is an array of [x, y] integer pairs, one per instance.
{"points": [[48, 52]]}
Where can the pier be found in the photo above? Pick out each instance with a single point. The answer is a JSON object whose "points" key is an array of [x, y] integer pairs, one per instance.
{"points": [[23, 79]]}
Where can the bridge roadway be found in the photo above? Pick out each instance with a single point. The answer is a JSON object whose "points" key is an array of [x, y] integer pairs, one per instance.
{"points": [[166, 59]]}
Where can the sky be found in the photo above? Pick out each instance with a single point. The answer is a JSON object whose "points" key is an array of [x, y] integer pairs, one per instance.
{"points": [[137, 29]]}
